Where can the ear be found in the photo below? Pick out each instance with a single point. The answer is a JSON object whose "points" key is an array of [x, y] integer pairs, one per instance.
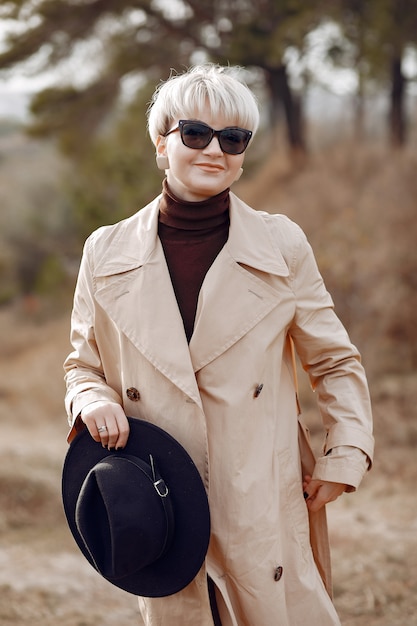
{"points": [[160, 144], [161, 155]]}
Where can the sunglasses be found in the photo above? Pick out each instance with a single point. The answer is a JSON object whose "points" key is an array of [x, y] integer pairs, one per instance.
{"points": [[197, 135]]}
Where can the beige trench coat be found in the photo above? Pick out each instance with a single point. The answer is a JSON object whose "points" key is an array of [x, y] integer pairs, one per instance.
{"points": [[127, 333]]}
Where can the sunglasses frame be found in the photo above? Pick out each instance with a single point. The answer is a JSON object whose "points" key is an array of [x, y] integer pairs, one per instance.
{"points": [[213, 133]]}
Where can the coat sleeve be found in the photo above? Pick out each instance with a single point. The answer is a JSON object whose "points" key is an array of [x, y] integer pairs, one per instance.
{"points": [[335, 371], [84, 375]]}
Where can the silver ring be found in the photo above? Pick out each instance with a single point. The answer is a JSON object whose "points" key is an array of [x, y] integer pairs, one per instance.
{"points": [[101, 429]]}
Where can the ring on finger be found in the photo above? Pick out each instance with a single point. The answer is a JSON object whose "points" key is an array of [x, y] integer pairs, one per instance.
{"points": [[102, 429]]}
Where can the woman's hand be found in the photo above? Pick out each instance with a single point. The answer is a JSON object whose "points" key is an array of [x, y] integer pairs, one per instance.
{"points": [[319, 492], [107, 423]]}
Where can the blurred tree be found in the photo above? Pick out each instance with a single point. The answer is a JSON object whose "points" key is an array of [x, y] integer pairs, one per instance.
{"points": [[144, 38], [108, 41], [381, 30], [259, 35], [116, 175], [398, 29]]}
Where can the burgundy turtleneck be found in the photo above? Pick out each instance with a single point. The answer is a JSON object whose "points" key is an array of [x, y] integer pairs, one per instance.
{"points": [[192, 235]]}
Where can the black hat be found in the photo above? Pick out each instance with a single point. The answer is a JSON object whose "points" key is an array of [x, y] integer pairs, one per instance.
{"points": [[139, 515]]}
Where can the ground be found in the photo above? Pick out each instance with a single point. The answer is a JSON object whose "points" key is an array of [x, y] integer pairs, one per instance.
{"points": [[45, 581]]}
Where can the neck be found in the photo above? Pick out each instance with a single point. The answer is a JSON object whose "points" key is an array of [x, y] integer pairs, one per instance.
{"points": [[187, 215]]}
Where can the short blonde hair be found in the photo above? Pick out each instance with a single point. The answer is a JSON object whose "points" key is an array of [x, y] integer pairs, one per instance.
{"points": [[182, 95]]}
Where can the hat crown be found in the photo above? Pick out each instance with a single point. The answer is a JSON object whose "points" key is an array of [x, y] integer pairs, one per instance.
{"points": [[124, 517]]}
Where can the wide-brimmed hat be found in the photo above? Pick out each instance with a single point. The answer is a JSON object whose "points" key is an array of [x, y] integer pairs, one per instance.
{"points": [[139, 515]]}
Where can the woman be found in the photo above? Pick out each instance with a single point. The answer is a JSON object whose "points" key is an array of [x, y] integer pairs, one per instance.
{"points": [[184, 315]]}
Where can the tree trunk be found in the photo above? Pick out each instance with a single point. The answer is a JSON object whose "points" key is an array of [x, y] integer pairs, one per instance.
{"points": [[282, 98], [359, 111], [359, 125], [397, 113]]}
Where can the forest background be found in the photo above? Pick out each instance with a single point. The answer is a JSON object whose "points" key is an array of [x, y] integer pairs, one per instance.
{"points": [[336, 152]]}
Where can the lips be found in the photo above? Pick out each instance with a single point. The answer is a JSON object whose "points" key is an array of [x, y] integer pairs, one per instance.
{"points": [[210, 167]]}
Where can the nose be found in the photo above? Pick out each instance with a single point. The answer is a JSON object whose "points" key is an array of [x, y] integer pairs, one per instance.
{"points": [[213, 147]]}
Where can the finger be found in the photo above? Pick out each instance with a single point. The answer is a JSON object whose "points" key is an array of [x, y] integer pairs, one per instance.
{"points": [[316, 502], [94, 417], [106, 422], [306, 482], [103, 433], [98, 430], [117, 431], [110, 434], [327, 492], [310, 487], [123, 430]]}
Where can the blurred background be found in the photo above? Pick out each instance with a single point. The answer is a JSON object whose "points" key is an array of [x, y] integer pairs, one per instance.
{"points": [[337, 152]]}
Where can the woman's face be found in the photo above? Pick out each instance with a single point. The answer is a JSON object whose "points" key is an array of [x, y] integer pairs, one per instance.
{"points": [[195, 175]]}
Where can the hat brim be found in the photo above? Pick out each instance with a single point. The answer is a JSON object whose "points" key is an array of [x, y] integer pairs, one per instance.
{"points": [[182, 561]]}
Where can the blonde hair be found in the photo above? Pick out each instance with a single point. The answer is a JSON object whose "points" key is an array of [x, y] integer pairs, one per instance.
{"points": [[183, 95]]}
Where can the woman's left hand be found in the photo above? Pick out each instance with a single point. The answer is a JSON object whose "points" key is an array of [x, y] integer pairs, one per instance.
{"points": [[317, 493]]}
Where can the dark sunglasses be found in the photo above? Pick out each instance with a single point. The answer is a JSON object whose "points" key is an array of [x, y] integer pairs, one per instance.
{"points": [[197, 135]]}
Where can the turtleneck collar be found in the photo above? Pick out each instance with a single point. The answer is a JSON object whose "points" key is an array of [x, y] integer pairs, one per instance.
{"points": [[185, 215]]}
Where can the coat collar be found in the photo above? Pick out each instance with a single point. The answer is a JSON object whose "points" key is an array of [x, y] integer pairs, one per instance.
{"points": [[123, 251], [130, 269], [246, 227]]}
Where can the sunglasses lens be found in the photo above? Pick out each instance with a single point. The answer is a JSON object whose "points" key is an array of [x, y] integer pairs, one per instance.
{"points": [[196, 135], [234, 140]]}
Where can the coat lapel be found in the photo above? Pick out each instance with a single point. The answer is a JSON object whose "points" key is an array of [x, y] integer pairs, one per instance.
{"points": [[135, 289], [232, 298]]}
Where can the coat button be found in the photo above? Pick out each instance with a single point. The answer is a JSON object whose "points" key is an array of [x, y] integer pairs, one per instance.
{"points": [[258, 390], [133, 394], [278, 573]]}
